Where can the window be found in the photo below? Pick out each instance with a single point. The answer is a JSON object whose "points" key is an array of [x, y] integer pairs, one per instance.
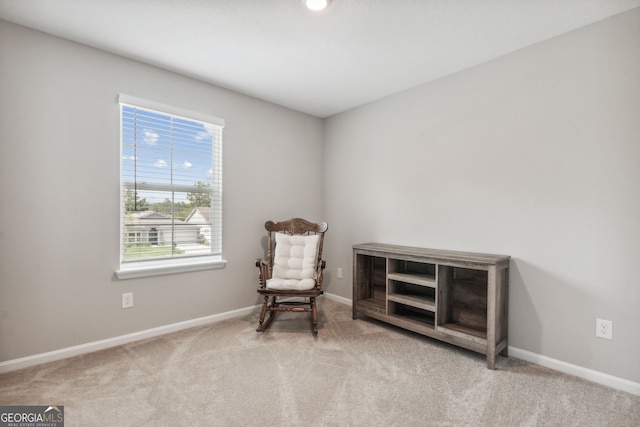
{"points": [[171, 189]]}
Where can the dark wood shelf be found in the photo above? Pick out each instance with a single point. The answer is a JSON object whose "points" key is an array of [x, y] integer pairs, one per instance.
{"points": [[373, 304], [461, 329], [417, 301], [414, 278]]}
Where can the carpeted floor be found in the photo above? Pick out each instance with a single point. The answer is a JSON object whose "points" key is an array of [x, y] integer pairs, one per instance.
{"points": [[355, 373]]}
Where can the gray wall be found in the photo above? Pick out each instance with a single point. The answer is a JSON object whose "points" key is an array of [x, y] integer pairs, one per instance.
{"points": [[59, 193], [534, 155]]}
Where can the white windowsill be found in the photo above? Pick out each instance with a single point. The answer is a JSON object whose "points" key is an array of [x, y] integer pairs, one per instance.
{"points": [[161, 267]]}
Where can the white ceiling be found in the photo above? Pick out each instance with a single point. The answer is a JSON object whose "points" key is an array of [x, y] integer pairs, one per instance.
{"points": [[323, 63]]}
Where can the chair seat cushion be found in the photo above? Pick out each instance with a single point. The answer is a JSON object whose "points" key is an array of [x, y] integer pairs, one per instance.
{"points": [[295, 257], [291, 284]]}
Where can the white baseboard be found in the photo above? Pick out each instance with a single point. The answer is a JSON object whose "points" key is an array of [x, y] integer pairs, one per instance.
{"points": [[557, 365], [337, 298], [63, 353], [577, 371]]}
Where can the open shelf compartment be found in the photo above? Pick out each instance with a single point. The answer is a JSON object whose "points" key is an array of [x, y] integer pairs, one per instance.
{"points": [[411, 294], [418, 273], [462, 305], [410, 314], [371, 286]]}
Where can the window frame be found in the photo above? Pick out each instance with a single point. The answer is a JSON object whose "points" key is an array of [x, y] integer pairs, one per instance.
{"points": [[153, 267]]}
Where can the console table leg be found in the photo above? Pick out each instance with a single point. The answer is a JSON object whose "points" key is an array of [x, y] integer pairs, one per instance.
{"points": [[492, 318]]}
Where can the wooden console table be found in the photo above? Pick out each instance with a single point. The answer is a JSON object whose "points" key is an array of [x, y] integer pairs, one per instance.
{"points": [[458, 297]]}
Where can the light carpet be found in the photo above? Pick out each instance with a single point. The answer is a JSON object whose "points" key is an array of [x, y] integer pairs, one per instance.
{"points": [[355, 373]]}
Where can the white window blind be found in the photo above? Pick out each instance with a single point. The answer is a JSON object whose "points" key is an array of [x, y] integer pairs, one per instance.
{"points": [[171, 183]]}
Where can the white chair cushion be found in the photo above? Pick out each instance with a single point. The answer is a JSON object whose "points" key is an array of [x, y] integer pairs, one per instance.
{"points": [[277, 284], [294, 262]]}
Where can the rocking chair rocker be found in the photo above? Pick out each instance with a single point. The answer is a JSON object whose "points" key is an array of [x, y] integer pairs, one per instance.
{"points": [[293, 269]]}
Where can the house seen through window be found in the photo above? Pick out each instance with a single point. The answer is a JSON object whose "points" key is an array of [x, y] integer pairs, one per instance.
{"points": [[171, 183]]}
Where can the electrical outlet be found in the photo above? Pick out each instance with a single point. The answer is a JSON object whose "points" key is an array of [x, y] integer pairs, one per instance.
{"points": [[604, 329], [339, 274], [127, 300]]}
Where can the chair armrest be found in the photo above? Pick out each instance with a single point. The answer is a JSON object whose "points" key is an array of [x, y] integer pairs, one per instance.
{"points": [[264, 272], [319, 273]]}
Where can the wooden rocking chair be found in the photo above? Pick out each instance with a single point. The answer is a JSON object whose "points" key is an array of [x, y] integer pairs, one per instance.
{"points": [[293, 269]]}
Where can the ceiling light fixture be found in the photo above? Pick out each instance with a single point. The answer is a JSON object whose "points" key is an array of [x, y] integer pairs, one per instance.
{"points": [[316, 5]]}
